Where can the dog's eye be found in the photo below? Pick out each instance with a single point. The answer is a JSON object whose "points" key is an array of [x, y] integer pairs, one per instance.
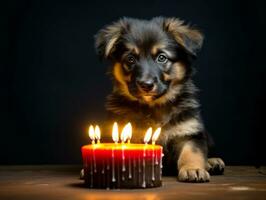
{"points": [[130, 59], [161, 58]]}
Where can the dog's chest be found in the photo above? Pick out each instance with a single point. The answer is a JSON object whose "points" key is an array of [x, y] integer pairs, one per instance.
{"points": [[149, 117]]}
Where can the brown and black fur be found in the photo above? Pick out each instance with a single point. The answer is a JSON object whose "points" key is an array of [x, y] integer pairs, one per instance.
{"points": [[152, 68]]}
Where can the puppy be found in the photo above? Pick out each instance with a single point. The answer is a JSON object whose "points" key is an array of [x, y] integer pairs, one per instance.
{"points": [[152, 68]]}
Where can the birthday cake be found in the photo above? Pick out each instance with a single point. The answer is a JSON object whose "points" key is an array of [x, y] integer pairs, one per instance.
{"points": [[122, 165]]}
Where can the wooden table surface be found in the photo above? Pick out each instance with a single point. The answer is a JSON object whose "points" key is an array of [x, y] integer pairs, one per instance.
{"points": [[61, 182]]}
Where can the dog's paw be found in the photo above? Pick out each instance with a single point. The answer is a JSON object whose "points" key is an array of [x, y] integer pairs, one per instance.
{"points": [[215, 166], [193, 175]]}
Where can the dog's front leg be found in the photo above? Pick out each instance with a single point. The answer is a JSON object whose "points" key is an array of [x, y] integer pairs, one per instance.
{"points": [[191, 163]]}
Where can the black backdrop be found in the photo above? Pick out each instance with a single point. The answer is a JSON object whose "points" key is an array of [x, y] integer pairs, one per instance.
{"points": [[53, 85]]}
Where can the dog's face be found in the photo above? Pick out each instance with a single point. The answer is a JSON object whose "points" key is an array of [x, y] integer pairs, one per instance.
{"points": [[151, 59]]}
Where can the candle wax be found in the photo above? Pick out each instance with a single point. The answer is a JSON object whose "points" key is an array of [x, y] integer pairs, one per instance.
{"points": [[109, 165]]}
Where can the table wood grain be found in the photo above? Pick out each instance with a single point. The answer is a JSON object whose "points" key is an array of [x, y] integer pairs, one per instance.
{"points": [[53, 182]]}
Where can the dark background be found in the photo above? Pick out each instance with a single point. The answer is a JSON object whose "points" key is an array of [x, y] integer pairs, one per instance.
{"points": [[53, 85]]}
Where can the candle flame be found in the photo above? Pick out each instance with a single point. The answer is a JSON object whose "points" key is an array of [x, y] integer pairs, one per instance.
{"points": [[126, 132], [147, 136], [129, 135], [156, 134], [97, 132], [115, 134], [91, 133]]}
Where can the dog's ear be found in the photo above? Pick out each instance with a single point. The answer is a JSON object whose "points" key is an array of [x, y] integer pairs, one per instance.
{"points": [[107, 38], [188, 37]]}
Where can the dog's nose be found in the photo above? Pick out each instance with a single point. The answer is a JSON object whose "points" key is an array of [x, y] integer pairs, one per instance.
{"points": [[146, 85]]}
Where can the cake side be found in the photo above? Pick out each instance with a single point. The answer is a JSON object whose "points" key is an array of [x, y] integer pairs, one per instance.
{"points": [[123, 167]]}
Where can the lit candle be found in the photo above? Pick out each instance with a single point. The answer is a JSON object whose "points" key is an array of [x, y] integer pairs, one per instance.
{"points": [[92, 134], [97, 134], [126, 133], [156, 135], [147, 136], [129, 134], [115, 134], [154, 138], [146, 139]]}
